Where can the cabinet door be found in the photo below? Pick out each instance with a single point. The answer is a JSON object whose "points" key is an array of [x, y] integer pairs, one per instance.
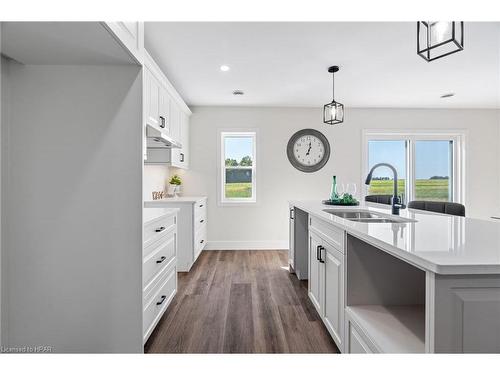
{"points": [[315, 267], [185, 140], [152, 99], [175, 131], [334, 293], [164, 111]]}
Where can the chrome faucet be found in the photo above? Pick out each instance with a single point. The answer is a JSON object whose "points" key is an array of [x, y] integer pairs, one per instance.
{"points": [[397, 203]]}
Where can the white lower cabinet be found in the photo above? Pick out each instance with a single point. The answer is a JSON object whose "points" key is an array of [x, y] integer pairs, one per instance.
{"points": [[315, 272], [192, 224], [334, 293], [159, 268], [326, 282]]}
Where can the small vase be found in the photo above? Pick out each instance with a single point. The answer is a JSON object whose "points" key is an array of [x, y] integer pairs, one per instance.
{"points": [[173, 190]]}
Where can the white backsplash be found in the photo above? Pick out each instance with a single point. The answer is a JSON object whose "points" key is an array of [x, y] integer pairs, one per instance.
{"points": [[155, 179]]}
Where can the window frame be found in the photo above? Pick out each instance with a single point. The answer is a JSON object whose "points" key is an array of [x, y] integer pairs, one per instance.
{"points": [[457, 136], [221, 180]]}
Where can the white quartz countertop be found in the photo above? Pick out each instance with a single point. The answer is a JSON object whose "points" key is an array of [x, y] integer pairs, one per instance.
{"points": [[438, 243], [150, 214], [164, 201]]}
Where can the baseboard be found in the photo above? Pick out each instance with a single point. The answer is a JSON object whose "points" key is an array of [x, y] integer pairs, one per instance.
{"points": [[247, 245]]}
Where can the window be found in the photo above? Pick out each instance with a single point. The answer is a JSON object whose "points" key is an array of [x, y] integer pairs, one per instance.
{"points": [[238, 167], [429, 165]]}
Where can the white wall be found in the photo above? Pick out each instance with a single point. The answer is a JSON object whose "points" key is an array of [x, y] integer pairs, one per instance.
{"points": [[72, 207], [265, 225]]}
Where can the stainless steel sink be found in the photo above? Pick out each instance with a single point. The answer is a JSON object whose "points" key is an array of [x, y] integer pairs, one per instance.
{"points": [[353, 214], [365, 216], [377, 220]]}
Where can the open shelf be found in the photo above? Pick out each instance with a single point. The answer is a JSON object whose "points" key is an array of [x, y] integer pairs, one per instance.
{"points": [[393, 329]]}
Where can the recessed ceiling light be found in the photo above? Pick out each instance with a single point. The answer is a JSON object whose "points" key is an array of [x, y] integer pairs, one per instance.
{"points": [[449, 95], [224, 68], [238, 92]]}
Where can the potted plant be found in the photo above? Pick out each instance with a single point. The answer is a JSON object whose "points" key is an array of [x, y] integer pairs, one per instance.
{"points": [[175, 186]]}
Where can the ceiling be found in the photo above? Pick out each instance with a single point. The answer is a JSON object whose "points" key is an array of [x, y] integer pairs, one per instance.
{"points": [[285, 64]]}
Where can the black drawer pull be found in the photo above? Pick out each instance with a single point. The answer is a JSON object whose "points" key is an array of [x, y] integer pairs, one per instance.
{"points": [[201, 206], [162, 122], [317, 252], [160, 229], [201, 221], [161, 260], [161, 301], [202, 241]]}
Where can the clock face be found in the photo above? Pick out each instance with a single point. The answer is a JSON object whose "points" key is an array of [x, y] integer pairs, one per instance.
{"points": [[308, 150]]}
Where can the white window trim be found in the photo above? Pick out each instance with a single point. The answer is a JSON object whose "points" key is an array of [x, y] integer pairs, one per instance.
{"points": [[458, 136], [221, 176]]}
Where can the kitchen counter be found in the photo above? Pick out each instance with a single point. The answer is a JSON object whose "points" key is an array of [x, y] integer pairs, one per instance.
{"points": [[438, 243], [160, 202]]}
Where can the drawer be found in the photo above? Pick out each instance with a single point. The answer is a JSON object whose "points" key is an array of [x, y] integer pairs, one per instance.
{"points": [[200, 221], [155, 306], [163, 252], [158, 227], [200, 240], [330, 233], [200, 208]]}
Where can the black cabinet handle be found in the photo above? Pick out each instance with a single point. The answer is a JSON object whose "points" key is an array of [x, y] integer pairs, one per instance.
{"points": [[201, 221], [291, 213], [160, 229], [317, 252], [162, 122], [320, 258], [202, 241], [161, 260], [161, 301], [200, 205], [182, 157]]}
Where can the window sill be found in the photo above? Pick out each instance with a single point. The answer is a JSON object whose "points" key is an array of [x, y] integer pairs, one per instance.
{"points": [[237, 203]]}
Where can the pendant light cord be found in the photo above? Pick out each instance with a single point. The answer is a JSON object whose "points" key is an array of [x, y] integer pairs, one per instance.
{"points": [[333, 87]]}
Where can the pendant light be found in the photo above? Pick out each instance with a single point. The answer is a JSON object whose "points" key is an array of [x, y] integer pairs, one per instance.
{"points": [[333, 113], [436, 39]]}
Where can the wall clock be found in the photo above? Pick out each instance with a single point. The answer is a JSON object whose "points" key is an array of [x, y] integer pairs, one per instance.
{"points": [[308, 150]]}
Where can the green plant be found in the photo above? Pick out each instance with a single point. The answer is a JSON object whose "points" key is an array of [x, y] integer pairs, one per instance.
{"points": [[175, 180]]}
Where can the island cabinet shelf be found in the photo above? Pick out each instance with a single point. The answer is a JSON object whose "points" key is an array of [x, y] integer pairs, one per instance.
{"points": [[390, 329]]}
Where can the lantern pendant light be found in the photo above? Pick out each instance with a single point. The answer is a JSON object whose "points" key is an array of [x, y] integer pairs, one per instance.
{"points": [[436, 39], [333, 113]]}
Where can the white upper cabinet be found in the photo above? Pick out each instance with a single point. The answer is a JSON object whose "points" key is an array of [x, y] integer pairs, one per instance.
{"points": [[165, 111], [131, 36], [152, 98], [180, 156]]}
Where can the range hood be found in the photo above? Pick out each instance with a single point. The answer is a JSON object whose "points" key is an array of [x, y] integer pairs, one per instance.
{"points": [[157, 139]]}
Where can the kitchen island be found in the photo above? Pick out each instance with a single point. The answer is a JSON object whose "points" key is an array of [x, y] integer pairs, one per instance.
{"points": [[415, 283]]}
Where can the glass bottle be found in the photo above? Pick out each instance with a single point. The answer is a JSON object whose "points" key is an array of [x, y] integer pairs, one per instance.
{"points": [[333, 194]]}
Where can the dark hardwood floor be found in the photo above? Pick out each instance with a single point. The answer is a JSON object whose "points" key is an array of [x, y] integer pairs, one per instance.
{"points": [[240, 302]]}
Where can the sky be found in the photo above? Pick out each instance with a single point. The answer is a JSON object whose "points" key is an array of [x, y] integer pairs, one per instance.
{"points": [[432, 158], [237, 147]]}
